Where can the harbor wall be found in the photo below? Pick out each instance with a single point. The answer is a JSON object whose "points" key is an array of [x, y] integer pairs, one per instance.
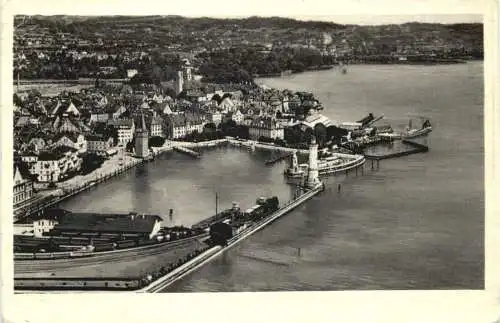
{"points": [[31, 209], [27, 282], [416, 149], [210, 254]]}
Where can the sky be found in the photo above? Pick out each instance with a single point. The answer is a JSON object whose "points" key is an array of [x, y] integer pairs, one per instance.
{"points": [[396, 19], [364, 12]]}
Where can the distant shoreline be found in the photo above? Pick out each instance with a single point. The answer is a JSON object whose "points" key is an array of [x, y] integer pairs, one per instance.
{"points": [[440, 61]]}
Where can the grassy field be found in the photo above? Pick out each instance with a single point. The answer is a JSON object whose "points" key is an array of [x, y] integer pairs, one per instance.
{"points": [[51, 89]]}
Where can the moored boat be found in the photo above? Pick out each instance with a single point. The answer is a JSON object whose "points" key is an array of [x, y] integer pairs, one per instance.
{"points": [[413, 133]]}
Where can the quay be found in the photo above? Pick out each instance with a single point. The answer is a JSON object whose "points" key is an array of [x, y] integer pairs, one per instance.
{"points": [[187, 151], [36, 207], [255, 144], [417, 148], [277, 159], [214, 252]]}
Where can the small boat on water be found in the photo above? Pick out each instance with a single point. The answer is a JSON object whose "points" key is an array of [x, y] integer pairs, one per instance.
{"points": [[413, 133]]}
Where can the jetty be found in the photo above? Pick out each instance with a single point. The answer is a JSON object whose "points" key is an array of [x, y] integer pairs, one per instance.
{"points": [[416, 149], [213, 252], [277, 159], [313, 187], [187, 151]]}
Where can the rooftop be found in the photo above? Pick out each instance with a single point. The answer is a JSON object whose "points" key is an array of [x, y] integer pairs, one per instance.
{"points": [[120, 223]]}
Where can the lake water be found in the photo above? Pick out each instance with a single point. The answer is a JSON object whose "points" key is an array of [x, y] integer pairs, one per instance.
{"points": [[415, 223]]}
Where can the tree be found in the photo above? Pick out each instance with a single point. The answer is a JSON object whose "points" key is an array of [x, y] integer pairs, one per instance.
{"points": [[130, 145], [156, 141], [321, 134], [216, 97], [17, 100], [209, 128]]}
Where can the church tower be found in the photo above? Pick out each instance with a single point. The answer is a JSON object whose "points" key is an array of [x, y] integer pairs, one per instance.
{"points": [[179, 83], [313, 174], [141, 139]]}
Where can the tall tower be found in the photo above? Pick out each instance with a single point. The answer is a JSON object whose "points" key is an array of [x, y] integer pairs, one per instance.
{"points": [[179, 82], [141, 139], [313, 174]]}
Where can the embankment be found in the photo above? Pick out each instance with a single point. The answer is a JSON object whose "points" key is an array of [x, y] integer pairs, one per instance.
{"points": [[85, 182], [210, 254]]}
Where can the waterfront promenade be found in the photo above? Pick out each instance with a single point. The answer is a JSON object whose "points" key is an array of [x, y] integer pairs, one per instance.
{"points": [[114, 166]]}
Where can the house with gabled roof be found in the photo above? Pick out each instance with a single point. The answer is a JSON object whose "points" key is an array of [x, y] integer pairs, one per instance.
{"points": [[65, 124], [115, 110], [22, 122], [227, 105], [36, 144], [23, 185], [99, 144], [72, 140], [154, 125]]}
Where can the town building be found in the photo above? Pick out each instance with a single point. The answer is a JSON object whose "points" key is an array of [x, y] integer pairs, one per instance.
{"points": [[266, 127], [56, 165], [37, 144], [72, 140], [100, 145], [227, 105], [237, 117], [132, 225], [99, 116], [43, 225], [23, 186], [115, 111], [65, 124], [214, 117], [125, 129], [179, 125], [66, 107], [154, 126], [187, 70]]}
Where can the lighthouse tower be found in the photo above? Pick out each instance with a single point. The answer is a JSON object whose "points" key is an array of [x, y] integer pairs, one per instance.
{"points": [[312, 176]]}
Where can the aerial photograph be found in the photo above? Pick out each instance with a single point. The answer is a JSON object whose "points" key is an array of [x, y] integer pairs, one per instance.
{"points": [[174, 154]]}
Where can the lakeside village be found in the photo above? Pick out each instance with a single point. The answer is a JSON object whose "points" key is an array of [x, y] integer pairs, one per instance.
{"points": [[67, 143]]}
